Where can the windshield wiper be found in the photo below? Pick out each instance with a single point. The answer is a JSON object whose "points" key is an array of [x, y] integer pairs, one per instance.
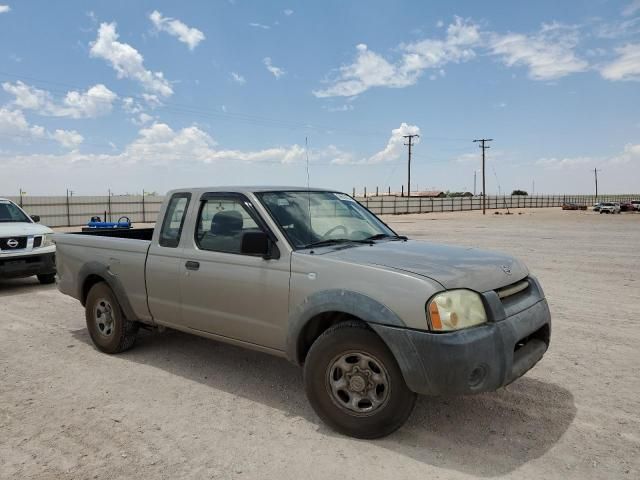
{"points": [[335, 241], [381, 236]]}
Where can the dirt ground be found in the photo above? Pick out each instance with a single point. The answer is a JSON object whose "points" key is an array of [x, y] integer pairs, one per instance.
{"points": [[181, 407]]}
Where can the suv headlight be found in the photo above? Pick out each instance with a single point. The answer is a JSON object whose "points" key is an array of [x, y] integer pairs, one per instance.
{"points": [[47, 240], [455, 310]]}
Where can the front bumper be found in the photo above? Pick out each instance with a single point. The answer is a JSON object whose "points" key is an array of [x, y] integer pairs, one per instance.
{"points": [[477, 359], [27, 265]]}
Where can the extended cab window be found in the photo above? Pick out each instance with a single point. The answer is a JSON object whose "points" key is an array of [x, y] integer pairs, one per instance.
{"points": [[222, 222], [174, 220]]}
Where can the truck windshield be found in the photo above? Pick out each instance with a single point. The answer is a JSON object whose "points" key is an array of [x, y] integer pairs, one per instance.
{"points": [[11, 213], [315, 218]]}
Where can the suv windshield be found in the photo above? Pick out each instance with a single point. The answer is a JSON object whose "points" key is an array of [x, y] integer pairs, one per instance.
{"points": [[11, 213], [313, 218]]}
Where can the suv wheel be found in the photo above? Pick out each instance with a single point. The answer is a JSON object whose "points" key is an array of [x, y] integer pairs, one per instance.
{"points": [[110, 331], [354, 384]]}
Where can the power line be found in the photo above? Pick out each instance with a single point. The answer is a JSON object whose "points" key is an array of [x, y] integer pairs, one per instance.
{"points": [[409, 144], [484, 184]]}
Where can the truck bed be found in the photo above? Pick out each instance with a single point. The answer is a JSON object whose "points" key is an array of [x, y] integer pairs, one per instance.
{"points": [[131, 233]]}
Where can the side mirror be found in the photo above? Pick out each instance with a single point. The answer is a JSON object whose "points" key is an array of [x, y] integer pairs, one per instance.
{"points": [[35, 218], [258, 243]]}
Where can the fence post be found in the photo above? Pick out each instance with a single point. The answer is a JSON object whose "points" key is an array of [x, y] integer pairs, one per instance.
{"points": [[402, 191], [376, 191], [109, 205], [354, 192], [21, 192], [68, 211], [144, 219], [365, 192]]}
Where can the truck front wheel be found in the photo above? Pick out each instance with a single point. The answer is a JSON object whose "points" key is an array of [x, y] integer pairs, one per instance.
{"points": [[354, 384], [110, 331]]}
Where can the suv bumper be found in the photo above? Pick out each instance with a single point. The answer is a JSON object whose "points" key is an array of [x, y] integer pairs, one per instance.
{"points": [[27, 265], [469, 361]]}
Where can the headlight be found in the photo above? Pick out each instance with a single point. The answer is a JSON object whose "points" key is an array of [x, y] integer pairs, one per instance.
{"points": [[47, 240], [456, 309]]}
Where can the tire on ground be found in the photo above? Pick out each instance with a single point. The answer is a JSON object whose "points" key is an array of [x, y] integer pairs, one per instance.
{"points": [[47, 278], [354, 336], [122, 332]]}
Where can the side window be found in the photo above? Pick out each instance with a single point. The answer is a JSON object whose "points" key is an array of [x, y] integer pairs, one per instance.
{"points": [[222, 222], [174, 220]]}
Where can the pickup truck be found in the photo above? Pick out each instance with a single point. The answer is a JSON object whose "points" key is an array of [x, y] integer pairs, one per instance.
{"points": [[26, 248], [312, 276]]}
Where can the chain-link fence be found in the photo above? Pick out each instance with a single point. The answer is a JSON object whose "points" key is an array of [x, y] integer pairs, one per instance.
{"points": [[396, 205], [62, 211]]}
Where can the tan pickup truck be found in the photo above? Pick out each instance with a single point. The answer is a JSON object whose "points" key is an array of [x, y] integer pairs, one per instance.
{"points": [[311, 275]]}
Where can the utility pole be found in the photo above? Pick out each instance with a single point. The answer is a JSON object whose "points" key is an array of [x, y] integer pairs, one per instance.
{"points": [[474, 183], [409, 144], [595, 174], [484, 184]]}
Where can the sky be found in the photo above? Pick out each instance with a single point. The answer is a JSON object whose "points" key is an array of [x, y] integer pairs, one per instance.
{"points": [[157, 95]]}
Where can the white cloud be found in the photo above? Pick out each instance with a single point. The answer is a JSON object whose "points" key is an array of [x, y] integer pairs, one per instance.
{"points": [[5, 8], [631, 8], [626, 66], [96, 101], [560, 163], [371, 69], [392, 151], [347, 107], [13, 124], [275, 71], [395, 145], [629, 155], [259, 25], [127, 61], [238, 78], [67, 138], [549, 54], [191, 36], [288, 12]]}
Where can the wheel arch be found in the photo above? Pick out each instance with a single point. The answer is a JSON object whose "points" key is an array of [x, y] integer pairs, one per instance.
{"points": [[322, 310], [93, 273]]}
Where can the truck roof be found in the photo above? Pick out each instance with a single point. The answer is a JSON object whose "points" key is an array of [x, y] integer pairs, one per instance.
{"points": [[249, 189]]}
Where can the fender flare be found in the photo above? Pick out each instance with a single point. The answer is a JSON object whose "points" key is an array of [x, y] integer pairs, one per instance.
{"points": [[100, 270], [352, 303]]}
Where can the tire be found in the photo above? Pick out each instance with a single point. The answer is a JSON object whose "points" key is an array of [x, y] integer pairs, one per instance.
{"points": [[110, 331], [353, 345], [47, 278]]}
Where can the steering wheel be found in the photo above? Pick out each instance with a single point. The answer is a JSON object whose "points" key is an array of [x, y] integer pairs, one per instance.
{"points": [[337, 227], [126, 220]]}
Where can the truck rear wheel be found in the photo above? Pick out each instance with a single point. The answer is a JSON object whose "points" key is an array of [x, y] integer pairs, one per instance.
{"points": [[354, 384], [110, 331]]}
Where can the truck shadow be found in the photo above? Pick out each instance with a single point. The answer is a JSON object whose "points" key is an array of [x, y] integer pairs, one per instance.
{"points": [[20, 286], [485, 435]]}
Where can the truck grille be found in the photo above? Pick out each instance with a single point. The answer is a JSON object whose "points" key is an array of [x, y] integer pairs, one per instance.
{"points": [[13, 243]]}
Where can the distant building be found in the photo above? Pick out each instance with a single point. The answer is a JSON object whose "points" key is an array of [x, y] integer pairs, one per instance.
{"points": [[429, 193]]}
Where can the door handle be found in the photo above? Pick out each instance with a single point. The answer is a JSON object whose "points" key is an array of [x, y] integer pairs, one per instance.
{"points": [[191, 265]]}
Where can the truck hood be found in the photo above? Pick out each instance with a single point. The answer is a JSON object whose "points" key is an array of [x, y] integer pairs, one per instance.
{"points": [[452, 267], [21, 229]]}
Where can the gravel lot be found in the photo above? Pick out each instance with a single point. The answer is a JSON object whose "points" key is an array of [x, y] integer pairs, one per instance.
{"points": [[178, 406]]}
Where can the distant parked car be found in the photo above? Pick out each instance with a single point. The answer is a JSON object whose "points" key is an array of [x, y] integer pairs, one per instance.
{"points": [[596, 207], [609, 207], [636, 204], [627, 207], [573, 206]]}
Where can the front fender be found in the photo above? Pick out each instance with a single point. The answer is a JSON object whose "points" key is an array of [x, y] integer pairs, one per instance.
{"points": [[344, 301]]}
